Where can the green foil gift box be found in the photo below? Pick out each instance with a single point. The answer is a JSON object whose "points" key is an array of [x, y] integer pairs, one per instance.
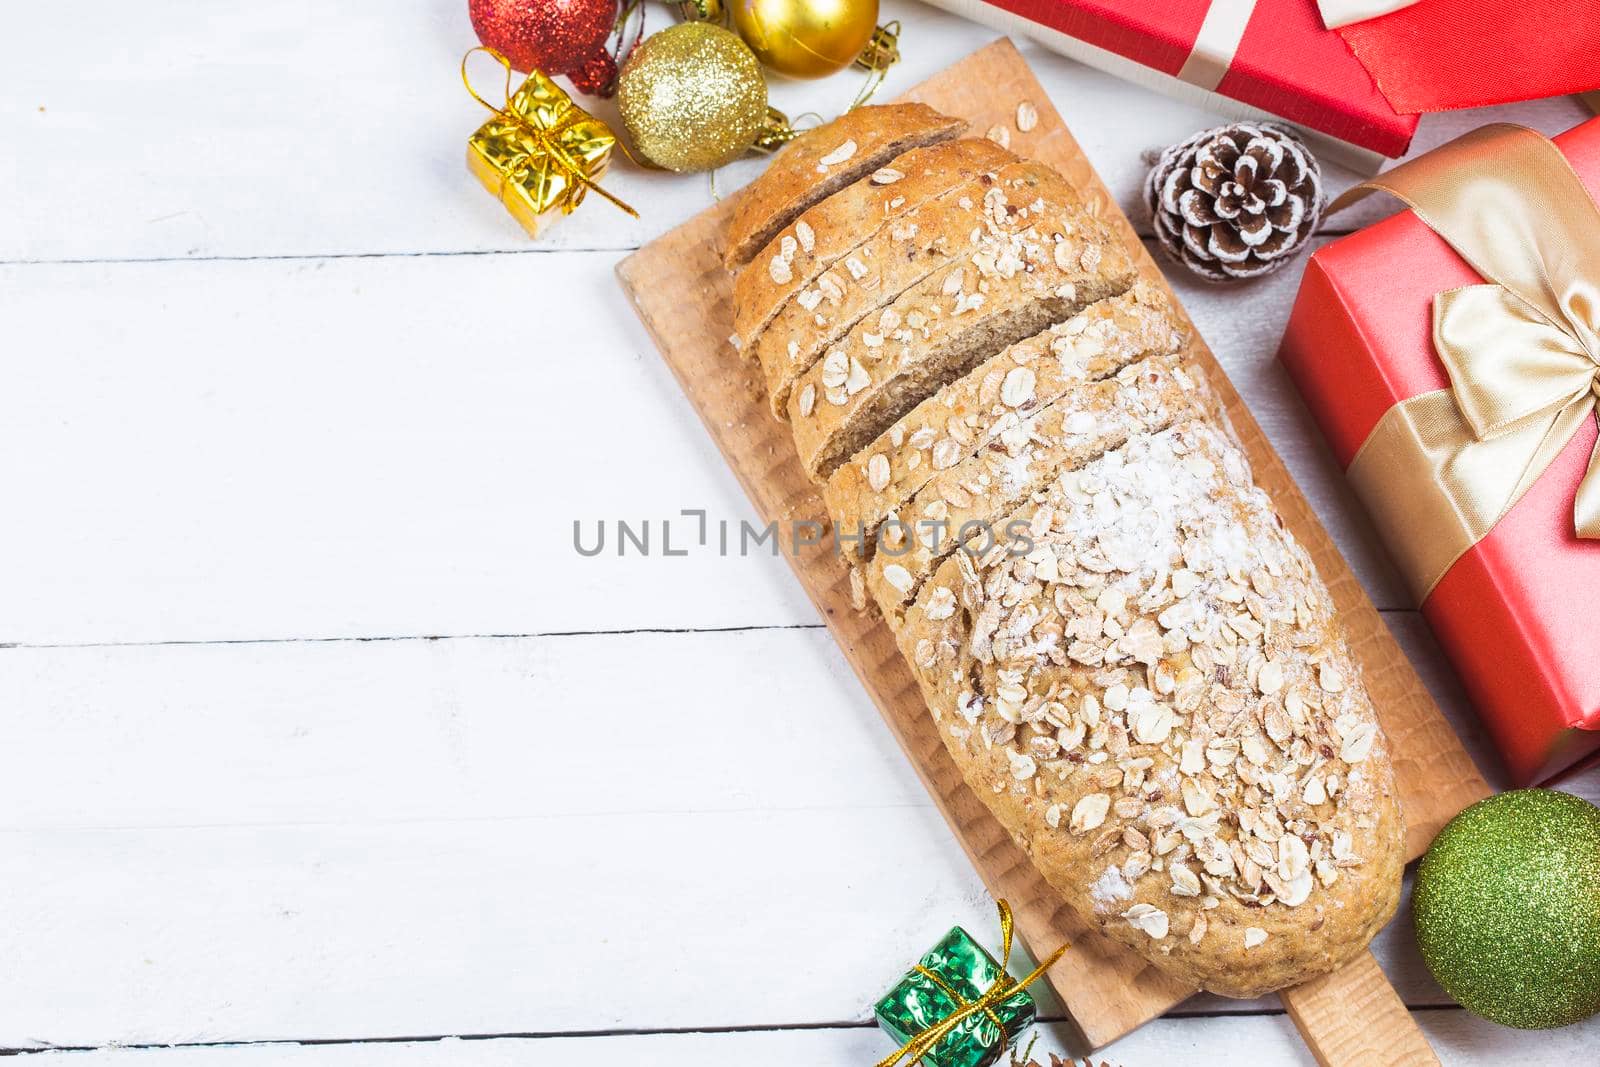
{"points": [[539, 153], [958, 1007]]}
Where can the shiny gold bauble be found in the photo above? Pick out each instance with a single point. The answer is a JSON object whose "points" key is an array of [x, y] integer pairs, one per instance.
{"points": [[692, 97], [805, 38]]}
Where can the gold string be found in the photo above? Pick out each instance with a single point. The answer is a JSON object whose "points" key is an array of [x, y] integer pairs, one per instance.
{"points": [[1002, 988], [548, 138], [775, 132], [881, 53]]}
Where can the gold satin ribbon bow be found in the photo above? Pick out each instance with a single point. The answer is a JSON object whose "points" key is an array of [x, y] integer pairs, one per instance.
{"points": [[1003, 987], [548, 137], [1522, 352]]}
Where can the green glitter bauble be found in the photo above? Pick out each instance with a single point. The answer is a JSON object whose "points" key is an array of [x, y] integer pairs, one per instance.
{"points": [[1507, 905]]}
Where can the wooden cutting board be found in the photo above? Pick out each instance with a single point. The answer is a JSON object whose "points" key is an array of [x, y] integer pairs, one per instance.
{"points": [[682, 293]]}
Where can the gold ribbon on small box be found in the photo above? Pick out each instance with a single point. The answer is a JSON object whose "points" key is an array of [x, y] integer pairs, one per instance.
{"points": [[540, 153], [1002, 988], [1522, 352]]}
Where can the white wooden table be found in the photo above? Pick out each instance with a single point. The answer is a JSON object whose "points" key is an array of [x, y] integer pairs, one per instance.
{"points": [[323, 747]]}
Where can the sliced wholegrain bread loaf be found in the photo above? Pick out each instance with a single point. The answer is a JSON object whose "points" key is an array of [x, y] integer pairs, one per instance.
{"points": [[876, 273], [968, 413], [1029, 265], [828, 231], [964, 504], [1141, 675], [1152, 693], [822, 161]]}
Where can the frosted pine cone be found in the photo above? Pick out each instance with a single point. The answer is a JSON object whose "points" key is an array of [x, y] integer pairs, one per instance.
{"points": [[1236, 201]]}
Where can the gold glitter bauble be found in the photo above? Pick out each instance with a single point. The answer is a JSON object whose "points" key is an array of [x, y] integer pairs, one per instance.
{"points": [[805, 38], [1507, 903], [692, 97]]}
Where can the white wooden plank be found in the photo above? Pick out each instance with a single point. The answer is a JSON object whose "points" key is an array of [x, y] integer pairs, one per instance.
{"points": [[273, 129], [358, 839], [627, 725], [1260, 1039], [356, 447], [306, 135], [507, 925], [392, 838], [1460, 1039], [268, 129], [400, 446]]}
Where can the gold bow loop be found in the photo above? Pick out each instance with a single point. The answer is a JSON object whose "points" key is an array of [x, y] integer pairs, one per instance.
{"points": [[1508, 365], [1522, 353], [549, 120], [1003, 987], [1517, 376]]}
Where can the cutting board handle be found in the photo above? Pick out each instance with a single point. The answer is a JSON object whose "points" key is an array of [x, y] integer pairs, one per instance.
{"points": [[1354, 1017]]}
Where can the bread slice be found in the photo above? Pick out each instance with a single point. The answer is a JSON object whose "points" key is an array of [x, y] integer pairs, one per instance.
{"points": [[965, 415], [1153, 696], [966, 503], [822, 161], [1029, 265], [877, 272], [848, 219]]}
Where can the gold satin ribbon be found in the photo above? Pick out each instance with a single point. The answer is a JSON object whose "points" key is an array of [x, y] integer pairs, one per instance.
{"points": [[548, 138], [1522, 353], [1003, 987]]}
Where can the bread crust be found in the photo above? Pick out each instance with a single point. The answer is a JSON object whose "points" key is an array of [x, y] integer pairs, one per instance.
{"points": [[877, 272], [821, 161], [972, 411], [828, 231], [1036, 259]]}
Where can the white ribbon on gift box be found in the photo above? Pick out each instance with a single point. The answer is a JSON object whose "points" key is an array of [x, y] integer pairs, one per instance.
{"points": [[1223, 28], [1217, 42], [1336, 13], [1329, 149]]}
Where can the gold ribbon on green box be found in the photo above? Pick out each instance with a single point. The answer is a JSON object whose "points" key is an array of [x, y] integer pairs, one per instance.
{"points": [[540, 153], [1522, 352]]}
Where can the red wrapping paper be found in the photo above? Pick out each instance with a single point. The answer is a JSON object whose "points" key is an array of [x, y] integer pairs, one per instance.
{"points": [[1288, 62], [1442, 54], [1517, 613]]}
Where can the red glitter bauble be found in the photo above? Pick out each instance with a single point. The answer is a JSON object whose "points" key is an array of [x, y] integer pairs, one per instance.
{"points": [[554, 36], [597, 76]]}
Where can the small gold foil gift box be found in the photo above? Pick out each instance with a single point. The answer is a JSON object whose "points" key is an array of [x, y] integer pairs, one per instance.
{"points": [[539, 153]]}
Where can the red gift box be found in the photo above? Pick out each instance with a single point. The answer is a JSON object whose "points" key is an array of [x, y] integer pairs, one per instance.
{"points": [[1286, 65], [1514, 613]]}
